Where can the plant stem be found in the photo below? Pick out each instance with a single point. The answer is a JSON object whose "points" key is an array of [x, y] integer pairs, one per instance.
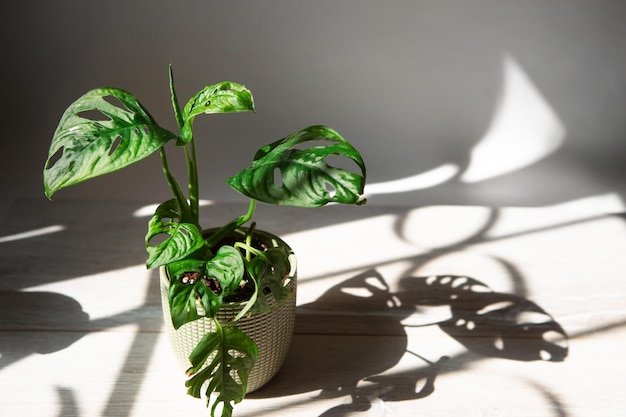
{"points": [[249, 250], [192, 173], [190, 153], [175, 105], [226, 229], [175, 188]]}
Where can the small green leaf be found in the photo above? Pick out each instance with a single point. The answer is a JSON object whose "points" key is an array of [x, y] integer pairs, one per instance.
{"points": [[182, 299], [181, 236], [270, 278], [195, 262], [224, 97], [96, 137], [185, 297], [227, 268], [233, 354], [306, 179]]}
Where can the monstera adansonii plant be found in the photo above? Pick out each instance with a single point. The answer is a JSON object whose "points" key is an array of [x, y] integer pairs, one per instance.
{"points": [[108, 129]]}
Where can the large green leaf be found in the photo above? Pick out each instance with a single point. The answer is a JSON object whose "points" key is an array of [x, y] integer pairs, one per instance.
{"points": [[95, 137], [181, 236], [224, 97], [231, 353], [305, 179]]}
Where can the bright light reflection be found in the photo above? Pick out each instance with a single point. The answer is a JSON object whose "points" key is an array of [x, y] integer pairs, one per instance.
{"points": [[610, 203], [420, 181], [33, 233], [524, 129], [149, 209], [134, 279]]}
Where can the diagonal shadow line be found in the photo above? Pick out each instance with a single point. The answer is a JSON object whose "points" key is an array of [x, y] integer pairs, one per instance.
{"points": [[133, 371], [596, 330], [552, 398]]}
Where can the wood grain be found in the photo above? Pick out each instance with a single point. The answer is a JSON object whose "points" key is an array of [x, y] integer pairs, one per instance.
{"points": [[437, 311]]}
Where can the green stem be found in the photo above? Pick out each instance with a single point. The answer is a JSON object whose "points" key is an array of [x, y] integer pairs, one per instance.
{"points": [[190, 153], [174, 187], [192, 173], [249, 250], [175, 105], [226, 229]]}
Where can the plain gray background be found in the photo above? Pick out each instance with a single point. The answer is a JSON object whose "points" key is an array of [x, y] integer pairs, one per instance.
{"points": [[413, 84]]}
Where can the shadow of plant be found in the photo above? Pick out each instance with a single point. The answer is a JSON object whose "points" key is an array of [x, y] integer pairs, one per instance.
{"points": [[368, 320], [37, 322], [489, 323]]}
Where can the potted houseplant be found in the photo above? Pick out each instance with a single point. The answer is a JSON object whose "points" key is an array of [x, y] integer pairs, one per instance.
{"points": [[230, 273]]}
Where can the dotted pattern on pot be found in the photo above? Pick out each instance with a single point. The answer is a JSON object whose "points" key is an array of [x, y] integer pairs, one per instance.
{"points": [[271, 331]]}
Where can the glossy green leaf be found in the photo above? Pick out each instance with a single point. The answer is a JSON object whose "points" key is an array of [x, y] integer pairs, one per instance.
{"points": [[183, 302], [96, 137], [269, 274], [195, 262], [234, 353], [191, 301], [200, 297], [180, 237], [305, 179], [227, 268], [224, 97]]}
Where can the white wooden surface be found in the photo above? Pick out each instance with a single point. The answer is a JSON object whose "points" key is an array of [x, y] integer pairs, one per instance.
{"points": [[80, 320]]}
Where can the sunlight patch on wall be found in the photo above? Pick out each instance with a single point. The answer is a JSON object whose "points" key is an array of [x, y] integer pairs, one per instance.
{"points": [[428, 179], [148, 210], [32, 233], [524, 129]]}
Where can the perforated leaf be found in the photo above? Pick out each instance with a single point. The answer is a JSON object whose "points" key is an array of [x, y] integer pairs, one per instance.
{"points": [[180, 236], [269, 276], [224, 97], [103, 131], [227, 372], [283, 174]]}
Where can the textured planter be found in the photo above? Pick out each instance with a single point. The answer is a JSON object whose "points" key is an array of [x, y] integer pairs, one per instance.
{"points": [[271, 331]]}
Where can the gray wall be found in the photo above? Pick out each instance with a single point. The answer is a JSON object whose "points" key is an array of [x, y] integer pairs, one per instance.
{"points": [[415, 84]]}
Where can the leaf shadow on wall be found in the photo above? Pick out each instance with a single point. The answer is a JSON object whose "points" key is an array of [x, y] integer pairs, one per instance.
{"points": [[370, 338]]}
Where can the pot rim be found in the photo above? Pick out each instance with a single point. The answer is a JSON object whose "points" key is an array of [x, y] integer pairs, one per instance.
{"points": [[275, 240]]}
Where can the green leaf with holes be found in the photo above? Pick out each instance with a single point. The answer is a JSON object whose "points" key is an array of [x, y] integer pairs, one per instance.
{"points": [[269, 274], [103, 131], [283, 174], [179, 236], [229, 355], [224, 97]]}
